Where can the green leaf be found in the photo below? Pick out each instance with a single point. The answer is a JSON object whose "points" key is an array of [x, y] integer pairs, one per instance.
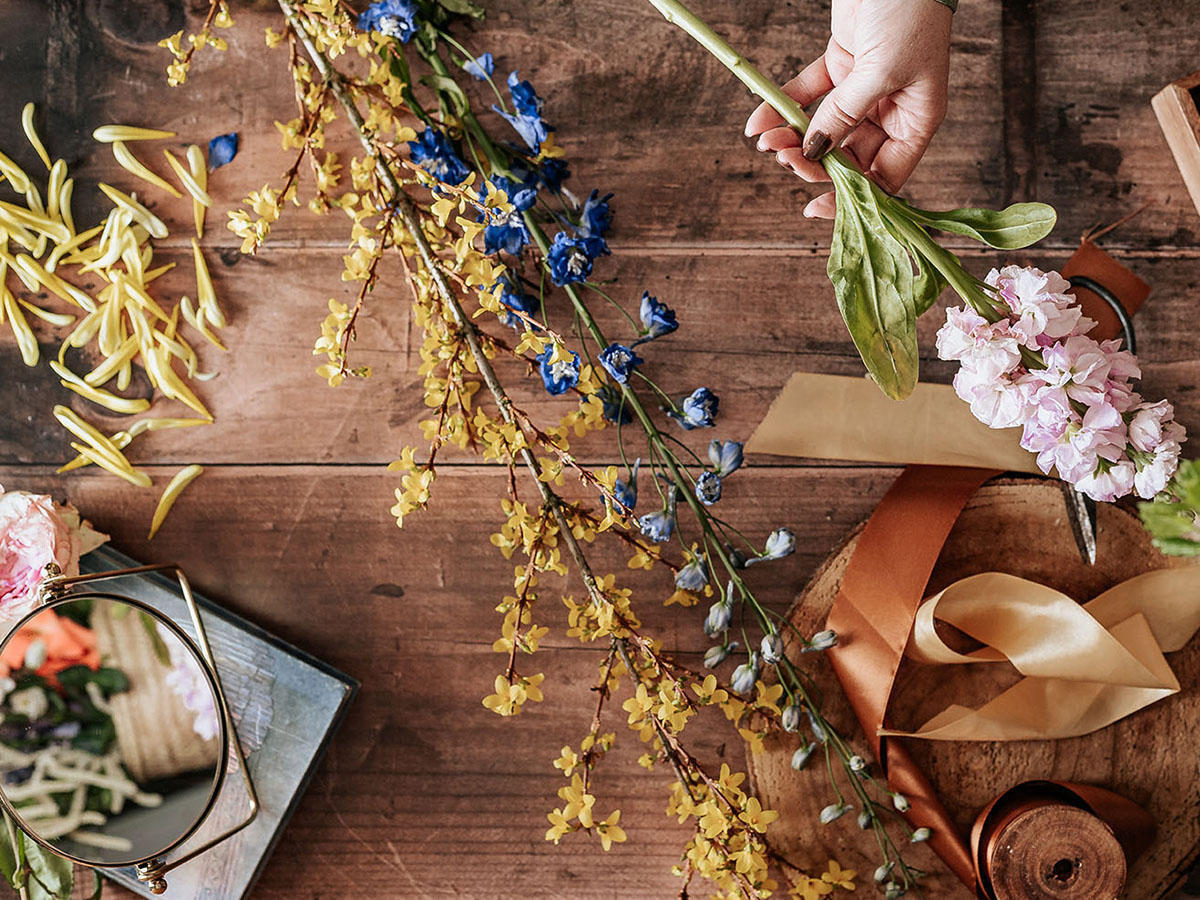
{"points": [[55, 874], [1174, 521], [462, 8], [10, 857], [1011, 228], [98, 885], [450, 88], [161, 651], [873, 280]]}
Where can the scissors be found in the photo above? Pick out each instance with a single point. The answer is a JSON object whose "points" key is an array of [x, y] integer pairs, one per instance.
{"points": [[1081, 509]]}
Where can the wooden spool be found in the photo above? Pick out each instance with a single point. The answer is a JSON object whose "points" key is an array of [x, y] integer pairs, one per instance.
{"points": [[1019, 526], [1055, 852]]}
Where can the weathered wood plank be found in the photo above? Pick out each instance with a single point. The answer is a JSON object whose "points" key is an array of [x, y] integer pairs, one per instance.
{"points": [[747, 324], [421, 771]]}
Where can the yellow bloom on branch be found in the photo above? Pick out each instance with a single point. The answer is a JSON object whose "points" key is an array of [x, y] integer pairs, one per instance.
{"points": [[758, 818], [839, 877]]}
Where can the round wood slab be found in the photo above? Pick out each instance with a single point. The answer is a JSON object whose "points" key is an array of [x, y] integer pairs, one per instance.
{"points": [[1018, 526]]}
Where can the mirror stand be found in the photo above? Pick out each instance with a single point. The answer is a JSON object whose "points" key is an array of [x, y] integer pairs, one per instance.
{"points": [[56, 589]]}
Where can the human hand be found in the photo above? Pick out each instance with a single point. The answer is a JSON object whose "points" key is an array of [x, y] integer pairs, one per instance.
{"points": [[883, 77]]}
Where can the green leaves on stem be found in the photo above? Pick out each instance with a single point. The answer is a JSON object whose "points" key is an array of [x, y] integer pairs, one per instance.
{"points": [[885, 267]]}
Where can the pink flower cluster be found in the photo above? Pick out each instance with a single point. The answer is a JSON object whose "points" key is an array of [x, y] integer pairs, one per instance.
{"points": [[1080, 414], [34, 531]]}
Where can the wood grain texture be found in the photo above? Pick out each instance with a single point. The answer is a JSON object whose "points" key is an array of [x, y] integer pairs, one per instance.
{"points": [[424, 792]]}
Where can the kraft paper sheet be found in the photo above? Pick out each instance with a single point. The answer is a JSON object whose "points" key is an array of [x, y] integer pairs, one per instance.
{"points": [[841, 417]]}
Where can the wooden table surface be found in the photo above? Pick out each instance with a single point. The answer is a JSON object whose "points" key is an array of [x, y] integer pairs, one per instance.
{"points": [[424, 793]]}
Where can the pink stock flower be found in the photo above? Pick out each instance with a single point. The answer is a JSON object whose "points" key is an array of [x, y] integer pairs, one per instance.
{"points": [[1078, 365], [1108, 481], [35, 531], [1152, 477], [981, 346], [998, 402], [1152, 423], [1043, 310]]}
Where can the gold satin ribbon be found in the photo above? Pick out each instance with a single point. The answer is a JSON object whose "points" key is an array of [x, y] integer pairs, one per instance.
{"points": [[1086, 666]]}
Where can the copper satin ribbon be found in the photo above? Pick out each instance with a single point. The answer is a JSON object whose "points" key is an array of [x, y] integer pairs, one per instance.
{"points": [[885, 582]]}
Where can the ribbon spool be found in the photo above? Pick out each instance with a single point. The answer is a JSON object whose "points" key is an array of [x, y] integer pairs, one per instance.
{"points": [[1044, 841]]}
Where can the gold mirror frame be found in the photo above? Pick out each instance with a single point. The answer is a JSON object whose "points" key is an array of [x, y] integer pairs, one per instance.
{"points": [[55, 590]]}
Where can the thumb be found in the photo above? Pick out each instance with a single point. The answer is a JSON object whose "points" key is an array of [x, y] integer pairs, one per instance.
{"points": [[840, 112]]}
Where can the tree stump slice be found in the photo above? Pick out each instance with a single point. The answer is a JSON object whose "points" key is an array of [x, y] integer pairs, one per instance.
{"points": [[1018, 526]]}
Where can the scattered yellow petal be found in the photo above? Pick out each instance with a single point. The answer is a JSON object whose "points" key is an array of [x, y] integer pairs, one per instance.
{"points": [[135, 166], [32, 135], [199, 194], [107, 134], [182, 479]]}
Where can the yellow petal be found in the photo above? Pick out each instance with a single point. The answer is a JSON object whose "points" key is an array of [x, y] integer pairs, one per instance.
{"points": [[182, 479], [26, 342], [199, 168], [199, 194], [32, 135], [140, 214], [134, 166], [107, 134], [124, 405], [206, 296]]}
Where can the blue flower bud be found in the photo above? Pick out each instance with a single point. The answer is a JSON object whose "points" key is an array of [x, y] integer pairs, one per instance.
{"points": [[857, 764], [865, 819], [901, 802], [884, 872], [718, 654], [790, 718], [626, 492], [480, 67], [708, 488], [801, 757], [720, 614], [693, 576], [745, 676], [659, 526], [817, 728], [921, 835], [822, 640], [780, 543], [772, 648], [833, 812], [725, 456]]}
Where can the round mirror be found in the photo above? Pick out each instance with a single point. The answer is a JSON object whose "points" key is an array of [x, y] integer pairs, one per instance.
{"points": [[112, 746]]}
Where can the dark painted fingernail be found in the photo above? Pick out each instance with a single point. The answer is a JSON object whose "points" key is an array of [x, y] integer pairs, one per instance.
{"points": [[816, 145]]}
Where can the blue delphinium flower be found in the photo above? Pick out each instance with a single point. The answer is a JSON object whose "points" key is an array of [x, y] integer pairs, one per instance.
{"points": [[434, 153], [507, 231], [745, 676], [659, 526], [528, 118], [693, 576], [615, 408], [619, 361], [481, 67], [657, 319], [698, 410], [780, 543], [569, 259], [394, 18], [594, 223], [559, 377], [554, 172], [222, 149], [725, 456], [514, 298], [626, 491], [708, 488], [521, 194]]}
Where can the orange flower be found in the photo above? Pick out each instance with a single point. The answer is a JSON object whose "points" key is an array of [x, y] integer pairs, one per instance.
{"points": [[67, 644]]}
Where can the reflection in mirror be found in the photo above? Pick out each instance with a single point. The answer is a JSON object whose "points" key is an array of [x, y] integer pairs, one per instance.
{"points": [[110, 746]]}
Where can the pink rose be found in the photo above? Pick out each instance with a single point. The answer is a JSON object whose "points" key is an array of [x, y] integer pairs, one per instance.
{"points": [[35, 531]]}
